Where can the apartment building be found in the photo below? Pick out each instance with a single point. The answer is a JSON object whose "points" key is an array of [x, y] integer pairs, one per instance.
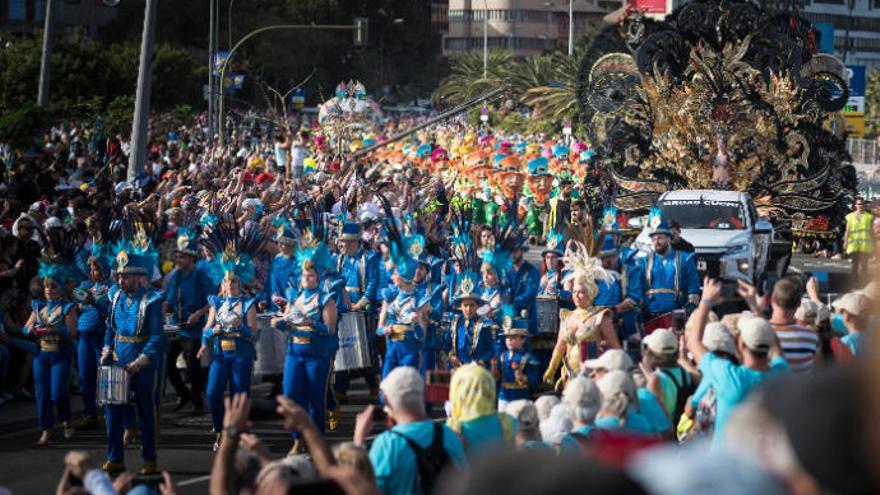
{"points": [[525, 27]]}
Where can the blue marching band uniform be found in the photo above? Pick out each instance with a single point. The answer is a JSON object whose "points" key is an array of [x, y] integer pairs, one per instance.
{"points": [[232, 318], [360, 276], [670, 280], [309, 319], [134, 340]]}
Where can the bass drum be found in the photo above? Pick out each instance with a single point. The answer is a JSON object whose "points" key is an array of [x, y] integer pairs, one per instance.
{"points": [[354, 348], [271, 347]]}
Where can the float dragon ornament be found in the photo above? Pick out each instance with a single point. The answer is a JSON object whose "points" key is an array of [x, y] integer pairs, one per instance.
{"points": [[348, 111], [721, 94]]}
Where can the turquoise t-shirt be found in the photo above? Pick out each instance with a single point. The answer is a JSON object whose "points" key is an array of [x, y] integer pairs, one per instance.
{"points": [[653, 412], [484, 433], [855, 341], [394, 462], [570, 443], [732, 384]]}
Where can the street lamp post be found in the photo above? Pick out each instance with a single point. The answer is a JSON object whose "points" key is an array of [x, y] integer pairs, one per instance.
{"points": [[46, 60], [485, 38], [229, 24], [570, 27], [211, 86], [220, 111], [142, 98]]}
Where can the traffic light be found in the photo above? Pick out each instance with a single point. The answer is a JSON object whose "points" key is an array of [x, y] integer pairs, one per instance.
{"points": [[361, 31]]}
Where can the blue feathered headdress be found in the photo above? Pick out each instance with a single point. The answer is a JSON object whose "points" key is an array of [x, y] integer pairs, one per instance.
{"points": [[234, 251], [135, 256], [312, 251], [401, 248], [555, 243]]}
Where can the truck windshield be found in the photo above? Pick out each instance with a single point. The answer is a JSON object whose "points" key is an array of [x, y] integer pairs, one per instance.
{"points": [[704, 214]]}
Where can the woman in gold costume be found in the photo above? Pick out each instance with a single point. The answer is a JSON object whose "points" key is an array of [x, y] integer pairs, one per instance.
{"points": [[587, 328]]}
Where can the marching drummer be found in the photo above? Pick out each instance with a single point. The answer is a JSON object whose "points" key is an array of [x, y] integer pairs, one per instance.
{"points": [[135, 340], [519, 369], [432, 292], [404, 314], [359, 269], [622, 294], [94, 308], [232, 318], [472, 335], [186, 304], [554, 275], [309, 316], [53, 322], [284, 272], [670, 279], [524, 282]]}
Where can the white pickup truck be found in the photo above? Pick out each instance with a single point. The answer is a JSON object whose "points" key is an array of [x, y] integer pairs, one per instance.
{"points": [[731, 240]]}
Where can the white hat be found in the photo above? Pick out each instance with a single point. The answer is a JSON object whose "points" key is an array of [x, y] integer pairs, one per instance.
{"points": [[756, 334], [582, 392], [661, 342], [122, 186], [872, 291], [717, 337], [53, 222], [525, 412], [403, 385], [612, 359], [807, 311], [544, 404], [615, 382], [854, 303], [557, 426]]}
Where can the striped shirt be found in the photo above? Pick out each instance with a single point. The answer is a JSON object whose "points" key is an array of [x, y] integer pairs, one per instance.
{"points": [[799, 343]]}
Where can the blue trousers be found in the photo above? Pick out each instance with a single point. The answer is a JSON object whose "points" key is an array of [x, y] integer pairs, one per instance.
{"points": [[397, 354], [88, 356], [144, 384], [231, 368], [306, 380], [51, 382]]}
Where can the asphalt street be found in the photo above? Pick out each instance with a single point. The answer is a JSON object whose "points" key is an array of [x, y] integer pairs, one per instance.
{"points": [[185, 440]]}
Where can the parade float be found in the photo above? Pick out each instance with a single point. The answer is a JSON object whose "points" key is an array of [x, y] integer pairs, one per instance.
{"points": [[720, 95]]}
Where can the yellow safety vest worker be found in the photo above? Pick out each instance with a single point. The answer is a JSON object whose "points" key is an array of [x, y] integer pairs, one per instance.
{"points": [[859, 229]]}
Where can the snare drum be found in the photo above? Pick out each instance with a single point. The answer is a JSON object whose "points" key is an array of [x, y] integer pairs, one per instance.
{"points": [[547, 314], [271, 347], [113, 386], [172, 332], [354, 350]]}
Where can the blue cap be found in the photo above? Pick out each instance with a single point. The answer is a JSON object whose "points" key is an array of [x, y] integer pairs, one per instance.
{"points": [[286, 234], [515, 327], [609, 247], [129, 263], [662, 228], [187, 242], [555, 243], [351, 231], [467, 288]]}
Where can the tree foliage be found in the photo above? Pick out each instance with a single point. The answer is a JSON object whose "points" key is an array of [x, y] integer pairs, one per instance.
{"points": [[89, 78], [405, 57]]}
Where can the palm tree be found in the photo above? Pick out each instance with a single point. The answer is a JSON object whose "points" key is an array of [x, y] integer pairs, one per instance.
{"points": [[556, 99], [467, 80]]}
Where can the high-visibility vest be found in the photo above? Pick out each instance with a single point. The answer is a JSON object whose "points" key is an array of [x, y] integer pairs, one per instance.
{"points": [[859, 228]]}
